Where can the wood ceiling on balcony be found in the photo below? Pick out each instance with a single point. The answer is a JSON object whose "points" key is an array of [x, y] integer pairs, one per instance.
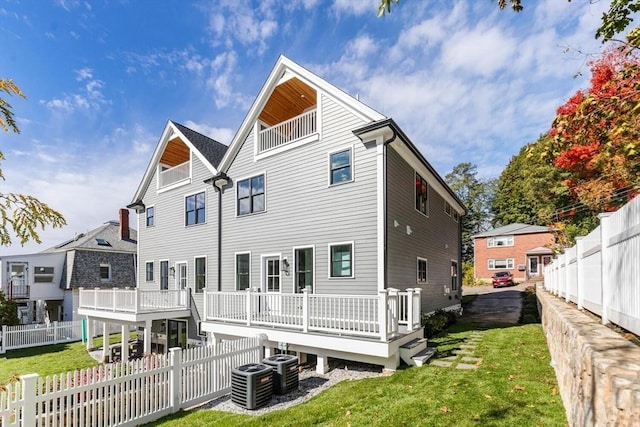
{"points": [[289, 99], [175, 153]]}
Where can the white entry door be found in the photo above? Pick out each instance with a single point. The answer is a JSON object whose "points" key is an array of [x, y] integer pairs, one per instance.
{"points": [[271, 283], [181, 280], [533, 266]]}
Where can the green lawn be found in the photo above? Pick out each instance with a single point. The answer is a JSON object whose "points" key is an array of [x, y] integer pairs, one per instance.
{"points": [[513, 386], [47, 360]]}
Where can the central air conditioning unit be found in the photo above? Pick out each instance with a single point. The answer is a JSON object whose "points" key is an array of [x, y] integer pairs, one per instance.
{"points": [[285, 368], [251, 385]]}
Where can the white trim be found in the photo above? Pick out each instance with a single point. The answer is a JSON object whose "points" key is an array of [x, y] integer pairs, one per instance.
{"points": [[175, 185], [195, 273], [415, 175], [176, 277], [153, 271], [235, 268], [236, 181], [489, 260], [184, 208], [353, 260], [497, 238], [102, 264], [458, 276], [295, 264], [160, 261], [381, 209], [351, 150], [263, 282], [285, 147], [447, 204], [426, 270]]}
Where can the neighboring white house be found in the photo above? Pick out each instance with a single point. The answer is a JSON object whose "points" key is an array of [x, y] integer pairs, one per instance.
{"points": [[45, 285], [321, 227]]}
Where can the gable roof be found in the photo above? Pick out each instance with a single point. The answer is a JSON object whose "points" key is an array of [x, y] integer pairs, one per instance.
{"points": [[109, 232], [208, 150], [285, 68], [515, 228]]}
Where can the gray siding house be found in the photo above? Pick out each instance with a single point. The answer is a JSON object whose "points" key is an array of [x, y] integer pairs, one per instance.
{"points": [[321, 226]]}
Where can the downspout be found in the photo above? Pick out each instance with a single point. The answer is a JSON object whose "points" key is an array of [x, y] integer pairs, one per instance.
{"points": [[219, 182], [394, 135]]}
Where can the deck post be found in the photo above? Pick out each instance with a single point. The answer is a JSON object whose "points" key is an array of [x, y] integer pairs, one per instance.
{"points": [[124, 342], [409, 308], [417, 308], [248, 305], [383, 315], [105, 341], [147, 337], [137, 300], [305, 310]]}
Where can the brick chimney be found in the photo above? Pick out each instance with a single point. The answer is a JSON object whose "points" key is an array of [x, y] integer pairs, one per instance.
{"points": [[123, 216]]}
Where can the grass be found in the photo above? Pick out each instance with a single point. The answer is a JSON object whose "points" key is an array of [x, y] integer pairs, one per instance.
{"points": [[514, 385], [48, 360]]}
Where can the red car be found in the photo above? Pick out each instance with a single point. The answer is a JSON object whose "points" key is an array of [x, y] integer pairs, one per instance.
{"points": [[502, 278]]}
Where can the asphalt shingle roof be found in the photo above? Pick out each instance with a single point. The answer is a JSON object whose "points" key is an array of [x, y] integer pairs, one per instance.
{"points": [[211, 149], [515, 228], [109, 232]]}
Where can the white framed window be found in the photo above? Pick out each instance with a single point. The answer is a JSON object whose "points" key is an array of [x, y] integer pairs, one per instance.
{"points": [[200, 267], [304, 268], [498, 241], [105, 272], [447, 208], [422, 195], [43, 274], [455, 216], [454, 275], [341, 166], [148, 268], [164, 275], [250, 195], [194, 209], [341, 260], [150, 214], [421, 267], [500, 264], [243, 270]]}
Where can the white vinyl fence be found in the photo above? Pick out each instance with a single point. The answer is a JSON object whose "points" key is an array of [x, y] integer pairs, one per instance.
{"points": [[35, 335], [601, 273], [130, 393]]}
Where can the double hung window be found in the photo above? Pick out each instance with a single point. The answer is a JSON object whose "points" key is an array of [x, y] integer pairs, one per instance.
{"points": [[195, 209], [251, 195]]}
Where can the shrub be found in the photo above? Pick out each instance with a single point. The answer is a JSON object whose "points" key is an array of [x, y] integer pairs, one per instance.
{"points": [[437, 322], [467, 275]]}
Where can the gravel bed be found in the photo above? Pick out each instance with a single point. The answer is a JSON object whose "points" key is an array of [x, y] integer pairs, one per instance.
{"points": [[310, 384]]}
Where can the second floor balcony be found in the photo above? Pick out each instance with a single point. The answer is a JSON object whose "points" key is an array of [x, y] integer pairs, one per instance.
{"points": [[287, 131], [171, 175]]}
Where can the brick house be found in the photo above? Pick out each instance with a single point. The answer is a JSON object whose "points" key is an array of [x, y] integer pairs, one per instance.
{"points": [[522, 249]]}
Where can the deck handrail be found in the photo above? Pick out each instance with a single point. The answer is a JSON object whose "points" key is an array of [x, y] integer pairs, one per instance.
{"points": [[174, 174], [290, 130], [134, 301], [375, 316]]}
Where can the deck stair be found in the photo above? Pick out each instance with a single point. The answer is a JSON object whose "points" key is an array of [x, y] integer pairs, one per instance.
{"points": [[416, 352]]}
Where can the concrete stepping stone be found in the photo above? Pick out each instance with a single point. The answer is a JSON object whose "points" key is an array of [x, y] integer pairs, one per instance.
{"points": [[469, 346], [466, 366], [441, 363], [449, 358], [471, 359], [463, 352]]}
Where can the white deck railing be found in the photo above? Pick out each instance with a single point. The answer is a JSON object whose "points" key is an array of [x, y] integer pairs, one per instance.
{"points": [[601, 273], [134, 301], [130, 393], [376, 316], [287, 131], [175, 174]]}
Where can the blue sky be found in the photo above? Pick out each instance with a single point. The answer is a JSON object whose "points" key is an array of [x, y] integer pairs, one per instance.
{"points": [[465, 81]]}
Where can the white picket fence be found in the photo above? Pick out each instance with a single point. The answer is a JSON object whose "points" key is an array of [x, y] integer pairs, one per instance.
{"points": [[601, 273], [35, 335], [130, 393]]}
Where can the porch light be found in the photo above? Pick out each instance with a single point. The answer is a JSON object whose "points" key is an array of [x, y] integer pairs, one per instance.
{"points": [[285, 266], [172, 271]]}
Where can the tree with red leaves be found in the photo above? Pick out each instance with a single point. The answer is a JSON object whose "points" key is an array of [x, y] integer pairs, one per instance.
{"points": [[596, 133]]}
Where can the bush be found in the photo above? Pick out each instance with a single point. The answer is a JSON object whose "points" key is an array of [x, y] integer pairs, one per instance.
{"points": [[437, 322]]}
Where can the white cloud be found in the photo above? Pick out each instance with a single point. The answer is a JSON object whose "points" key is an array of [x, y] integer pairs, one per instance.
{"points": [[223, 135], [355, 7]]}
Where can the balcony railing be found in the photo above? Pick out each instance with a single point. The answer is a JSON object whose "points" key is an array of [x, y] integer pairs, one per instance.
{"points": [[287, 131], [17, 290], [377, 316], [135, 301], [175, 174]]}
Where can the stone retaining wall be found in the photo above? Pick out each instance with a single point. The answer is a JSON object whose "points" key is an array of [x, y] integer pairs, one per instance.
{"points": [[598, 371]]}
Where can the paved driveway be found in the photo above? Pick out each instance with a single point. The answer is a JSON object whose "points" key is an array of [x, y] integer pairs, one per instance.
{"points": [[494, 306]]}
